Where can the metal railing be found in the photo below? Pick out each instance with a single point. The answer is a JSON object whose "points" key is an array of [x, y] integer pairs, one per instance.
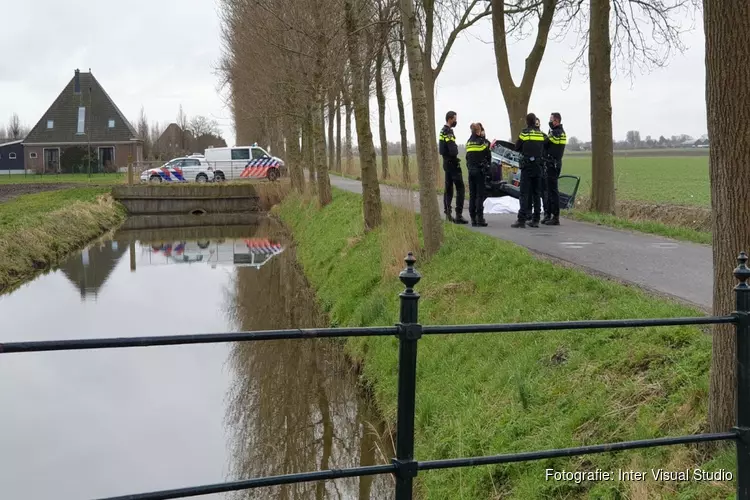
{"points": [[408, 330]]}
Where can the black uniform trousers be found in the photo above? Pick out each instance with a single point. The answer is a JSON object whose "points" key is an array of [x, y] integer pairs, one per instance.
{"points": [[476, 194], [551, 190], [531, 193], [453, 176]]}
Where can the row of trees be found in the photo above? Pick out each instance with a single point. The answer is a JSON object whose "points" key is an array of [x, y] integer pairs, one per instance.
{"points": [[292, 67]]}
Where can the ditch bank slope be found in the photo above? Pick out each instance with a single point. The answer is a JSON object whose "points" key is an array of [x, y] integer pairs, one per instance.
{"points": [[37, 230], [500, 393]]}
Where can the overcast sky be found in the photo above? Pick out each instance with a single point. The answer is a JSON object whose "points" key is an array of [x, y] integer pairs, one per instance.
{"points": [[163, 54]]}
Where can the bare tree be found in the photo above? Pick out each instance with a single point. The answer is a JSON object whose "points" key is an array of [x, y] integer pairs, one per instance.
{"points": [[143, 132], [354, 10], [201, 125], [15, 129], [727, 28], [432, 226], [441, 24], [397, 68], [348, 125], [618, 32], [384, 7], [331, 123], [183, 123], [508, 20]]}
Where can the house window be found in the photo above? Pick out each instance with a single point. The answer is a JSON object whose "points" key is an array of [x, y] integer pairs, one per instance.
{"points": [[81, 120], [32, 156], [50, 123], [111, 124], [12, 156]]}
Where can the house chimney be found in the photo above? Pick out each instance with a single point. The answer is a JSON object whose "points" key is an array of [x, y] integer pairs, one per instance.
{"points": [[78, 82]]}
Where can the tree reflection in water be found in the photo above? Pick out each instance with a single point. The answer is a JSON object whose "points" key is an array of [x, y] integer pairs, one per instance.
{"points": [[294, 405]]}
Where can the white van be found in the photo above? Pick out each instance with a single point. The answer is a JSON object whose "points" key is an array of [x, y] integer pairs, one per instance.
{"points": [[244, 162]]}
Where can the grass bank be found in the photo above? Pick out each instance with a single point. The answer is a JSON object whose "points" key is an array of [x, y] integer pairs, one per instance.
{"points": [[37, 230], [489, 394]]}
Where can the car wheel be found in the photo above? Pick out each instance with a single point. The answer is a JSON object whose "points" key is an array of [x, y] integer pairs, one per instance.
{"points": [[201, 178], [155, 178], [219, 177], [273, 174]]}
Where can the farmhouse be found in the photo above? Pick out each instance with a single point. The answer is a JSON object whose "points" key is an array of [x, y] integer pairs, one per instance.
{"points": [[82, 129]]}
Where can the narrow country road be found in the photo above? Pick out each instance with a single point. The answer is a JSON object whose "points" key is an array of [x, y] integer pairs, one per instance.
{"points": [[675, 268]]}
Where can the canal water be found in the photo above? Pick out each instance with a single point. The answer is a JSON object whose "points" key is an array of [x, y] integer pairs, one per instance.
{"points": [[91, 424]]}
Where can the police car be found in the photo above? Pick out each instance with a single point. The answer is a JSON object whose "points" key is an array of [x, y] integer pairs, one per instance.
{"points": [[193, 168]]}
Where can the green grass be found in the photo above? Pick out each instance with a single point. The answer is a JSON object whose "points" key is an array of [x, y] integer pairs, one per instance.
{"points": [[650, 227], [98, 179], [36, 230], [490, 394]]}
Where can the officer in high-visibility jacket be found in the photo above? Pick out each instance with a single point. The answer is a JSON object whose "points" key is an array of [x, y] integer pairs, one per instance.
{"points": [[531, 144], [553, 166], [452, 170], [478, 160]]}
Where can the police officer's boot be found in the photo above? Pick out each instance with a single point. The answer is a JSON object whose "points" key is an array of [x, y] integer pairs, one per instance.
{"points": [[554, 221], [547, 218], [520, 223], [447, 213], [459, 219], [481, 222]]}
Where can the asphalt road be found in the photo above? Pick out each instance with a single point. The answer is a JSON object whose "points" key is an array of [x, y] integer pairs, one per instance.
{"points": [[669, 267]]}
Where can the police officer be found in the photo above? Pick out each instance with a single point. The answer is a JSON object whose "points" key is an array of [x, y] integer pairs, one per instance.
{"points": [[531, 146], [555, 148], [452, 169], [478, 159]]}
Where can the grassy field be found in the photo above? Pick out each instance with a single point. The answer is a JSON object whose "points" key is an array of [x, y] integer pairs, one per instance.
{"points": [[490, 394], [97, 179], [38, 229]]}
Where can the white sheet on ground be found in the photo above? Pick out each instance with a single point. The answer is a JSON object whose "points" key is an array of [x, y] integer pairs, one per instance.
{"points": [[502, 205]]}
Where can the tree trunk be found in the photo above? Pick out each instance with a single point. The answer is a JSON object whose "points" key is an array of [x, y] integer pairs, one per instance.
{"points": [[380, 94], [727, 30], [397, 68], [517, 97], [338, 133], [429, 89], [367, 159], [348, 132], [331, 144], [432, 226], [277, 146], [321, 165], [296, 174], [308, 147], [600, 82]]}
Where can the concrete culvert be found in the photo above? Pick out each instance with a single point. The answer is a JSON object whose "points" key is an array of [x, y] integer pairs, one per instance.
{"points": [[198, 211]]}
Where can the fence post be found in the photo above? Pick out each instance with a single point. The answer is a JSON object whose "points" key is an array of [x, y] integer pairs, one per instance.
{"points": [[742, 312], [409, 333]]}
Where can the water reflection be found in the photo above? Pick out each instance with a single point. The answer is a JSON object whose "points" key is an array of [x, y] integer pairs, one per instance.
{"points": [[113, 422], [294, 405]]}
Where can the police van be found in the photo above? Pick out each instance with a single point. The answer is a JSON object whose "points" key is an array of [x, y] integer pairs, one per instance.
{"points": [[244, 162]]}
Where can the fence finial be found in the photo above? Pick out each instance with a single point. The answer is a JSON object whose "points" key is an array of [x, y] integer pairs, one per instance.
{"points": [[409, 276], [742, 272]]}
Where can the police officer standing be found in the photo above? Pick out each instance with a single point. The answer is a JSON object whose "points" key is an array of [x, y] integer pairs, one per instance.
{"points": [[555, 149], [531, 146], [452, 170], [478, 159]]}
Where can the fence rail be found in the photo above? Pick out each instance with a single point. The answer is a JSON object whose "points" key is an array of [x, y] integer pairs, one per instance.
{"points": [[408, 330]]}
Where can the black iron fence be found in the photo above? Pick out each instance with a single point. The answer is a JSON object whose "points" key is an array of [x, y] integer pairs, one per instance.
{"points": [[408, 330]]}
